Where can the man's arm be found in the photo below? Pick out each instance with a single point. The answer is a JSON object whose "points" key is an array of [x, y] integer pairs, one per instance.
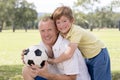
{"points": [[43, 72], [60, 77]]}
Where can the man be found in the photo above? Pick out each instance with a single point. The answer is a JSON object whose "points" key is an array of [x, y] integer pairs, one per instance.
{"points": [[72, 69]]}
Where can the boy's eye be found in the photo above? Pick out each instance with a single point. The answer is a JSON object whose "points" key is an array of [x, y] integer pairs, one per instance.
{"points": [[65, 21]]}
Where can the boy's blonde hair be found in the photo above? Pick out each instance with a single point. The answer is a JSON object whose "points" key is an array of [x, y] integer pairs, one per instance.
{"points": [[62, 11]]}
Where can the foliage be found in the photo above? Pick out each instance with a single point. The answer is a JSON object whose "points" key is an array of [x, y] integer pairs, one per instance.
{"points": [[96, 17], [19, 14], [11, 45], [16, 14], [116, 76]]}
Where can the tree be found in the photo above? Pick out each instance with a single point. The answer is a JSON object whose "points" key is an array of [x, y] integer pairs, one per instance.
{"points": [[25, 14], [7, 11], [86, 4], [16, 13], [97, 17]]}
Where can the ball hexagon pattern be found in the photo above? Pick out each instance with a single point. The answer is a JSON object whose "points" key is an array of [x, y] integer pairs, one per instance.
{"points": [[35, 55]]}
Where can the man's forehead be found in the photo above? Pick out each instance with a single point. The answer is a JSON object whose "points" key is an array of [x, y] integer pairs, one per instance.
{"points": [[47, 25], [51, 22]]}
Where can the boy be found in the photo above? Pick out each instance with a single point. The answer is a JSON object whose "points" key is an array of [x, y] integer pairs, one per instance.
{"points": [[94, 50]]}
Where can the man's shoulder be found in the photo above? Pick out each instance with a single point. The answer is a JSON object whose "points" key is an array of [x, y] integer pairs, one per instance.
{"points": [[42, 45], [64, 41], [60, 45], [61, 40]]}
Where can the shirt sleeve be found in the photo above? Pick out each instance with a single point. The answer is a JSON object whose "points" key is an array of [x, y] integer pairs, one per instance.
{"points": [[71, 66], [75, 37], [75, 34]]}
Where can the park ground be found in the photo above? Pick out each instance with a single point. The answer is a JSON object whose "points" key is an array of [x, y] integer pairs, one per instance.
{"points": [[12, 44]]}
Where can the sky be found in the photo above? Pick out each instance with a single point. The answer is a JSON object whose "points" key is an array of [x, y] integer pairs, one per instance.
{"points": [[48, 6]]}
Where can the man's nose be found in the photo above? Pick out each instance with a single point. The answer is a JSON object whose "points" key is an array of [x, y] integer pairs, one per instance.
{"points": [[46, 33]]}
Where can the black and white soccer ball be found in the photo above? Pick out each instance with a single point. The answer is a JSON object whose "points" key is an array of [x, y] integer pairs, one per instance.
{"points": [[35, 55]]}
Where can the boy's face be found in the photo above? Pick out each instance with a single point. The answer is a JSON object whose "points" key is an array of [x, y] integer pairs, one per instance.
{"points": [[64, 24]]}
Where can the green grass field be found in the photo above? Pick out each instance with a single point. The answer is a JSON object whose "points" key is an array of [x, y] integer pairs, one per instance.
{"points": [[12, 44]]}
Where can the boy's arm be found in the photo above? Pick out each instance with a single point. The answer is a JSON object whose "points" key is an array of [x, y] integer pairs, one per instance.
{"points": [[66, 55]]}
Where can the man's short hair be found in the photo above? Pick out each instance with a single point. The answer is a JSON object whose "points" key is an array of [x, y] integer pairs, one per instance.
{"points": [[45, 19]]}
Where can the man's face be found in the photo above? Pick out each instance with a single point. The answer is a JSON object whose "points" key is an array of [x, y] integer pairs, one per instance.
{"points": [[48, 32]]}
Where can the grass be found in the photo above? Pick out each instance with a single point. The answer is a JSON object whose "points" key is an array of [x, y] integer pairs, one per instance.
{"points": [[112, 40], [12, 44]]}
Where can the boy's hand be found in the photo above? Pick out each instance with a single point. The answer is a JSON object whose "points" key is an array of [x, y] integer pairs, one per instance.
{"points": [[51, 61]]}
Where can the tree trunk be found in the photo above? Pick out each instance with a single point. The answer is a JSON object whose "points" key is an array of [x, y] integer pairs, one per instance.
{"points": [[119, 26], [91, 28], [0, 29], [1, 26], [13, 28]]}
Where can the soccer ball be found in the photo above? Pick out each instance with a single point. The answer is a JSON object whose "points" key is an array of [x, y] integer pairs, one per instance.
{"points": [[35, 55]]}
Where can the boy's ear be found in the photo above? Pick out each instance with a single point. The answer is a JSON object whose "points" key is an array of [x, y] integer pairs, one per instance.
{"points": [[72, 20]]}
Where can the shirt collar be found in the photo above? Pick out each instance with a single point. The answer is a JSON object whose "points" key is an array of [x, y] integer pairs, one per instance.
{"points": [[58, 42], [69, 33], [43, 45]]}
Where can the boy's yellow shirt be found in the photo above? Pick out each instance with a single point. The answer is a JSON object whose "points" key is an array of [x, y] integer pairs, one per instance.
{"points": [[88, 44]]}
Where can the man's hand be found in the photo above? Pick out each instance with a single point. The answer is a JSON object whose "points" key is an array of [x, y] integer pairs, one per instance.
{"points": [[43, 72], [22, 56]]}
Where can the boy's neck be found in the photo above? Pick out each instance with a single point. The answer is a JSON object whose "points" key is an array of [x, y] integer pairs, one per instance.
{"points": [[63, 35]]}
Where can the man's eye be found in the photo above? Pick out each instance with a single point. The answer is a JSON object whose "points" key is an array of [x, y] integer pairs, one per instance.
{"points": [[42, 31], [49, 29]]}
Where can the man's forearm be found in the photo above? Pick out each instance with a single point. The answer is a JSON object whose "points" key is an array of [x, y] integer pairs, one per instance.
{"points": [[60, 77]]}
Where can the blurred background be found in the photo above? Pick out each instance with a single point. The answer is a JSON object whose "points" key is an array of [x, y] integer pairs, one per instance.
{"points": [[18, 28]]}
